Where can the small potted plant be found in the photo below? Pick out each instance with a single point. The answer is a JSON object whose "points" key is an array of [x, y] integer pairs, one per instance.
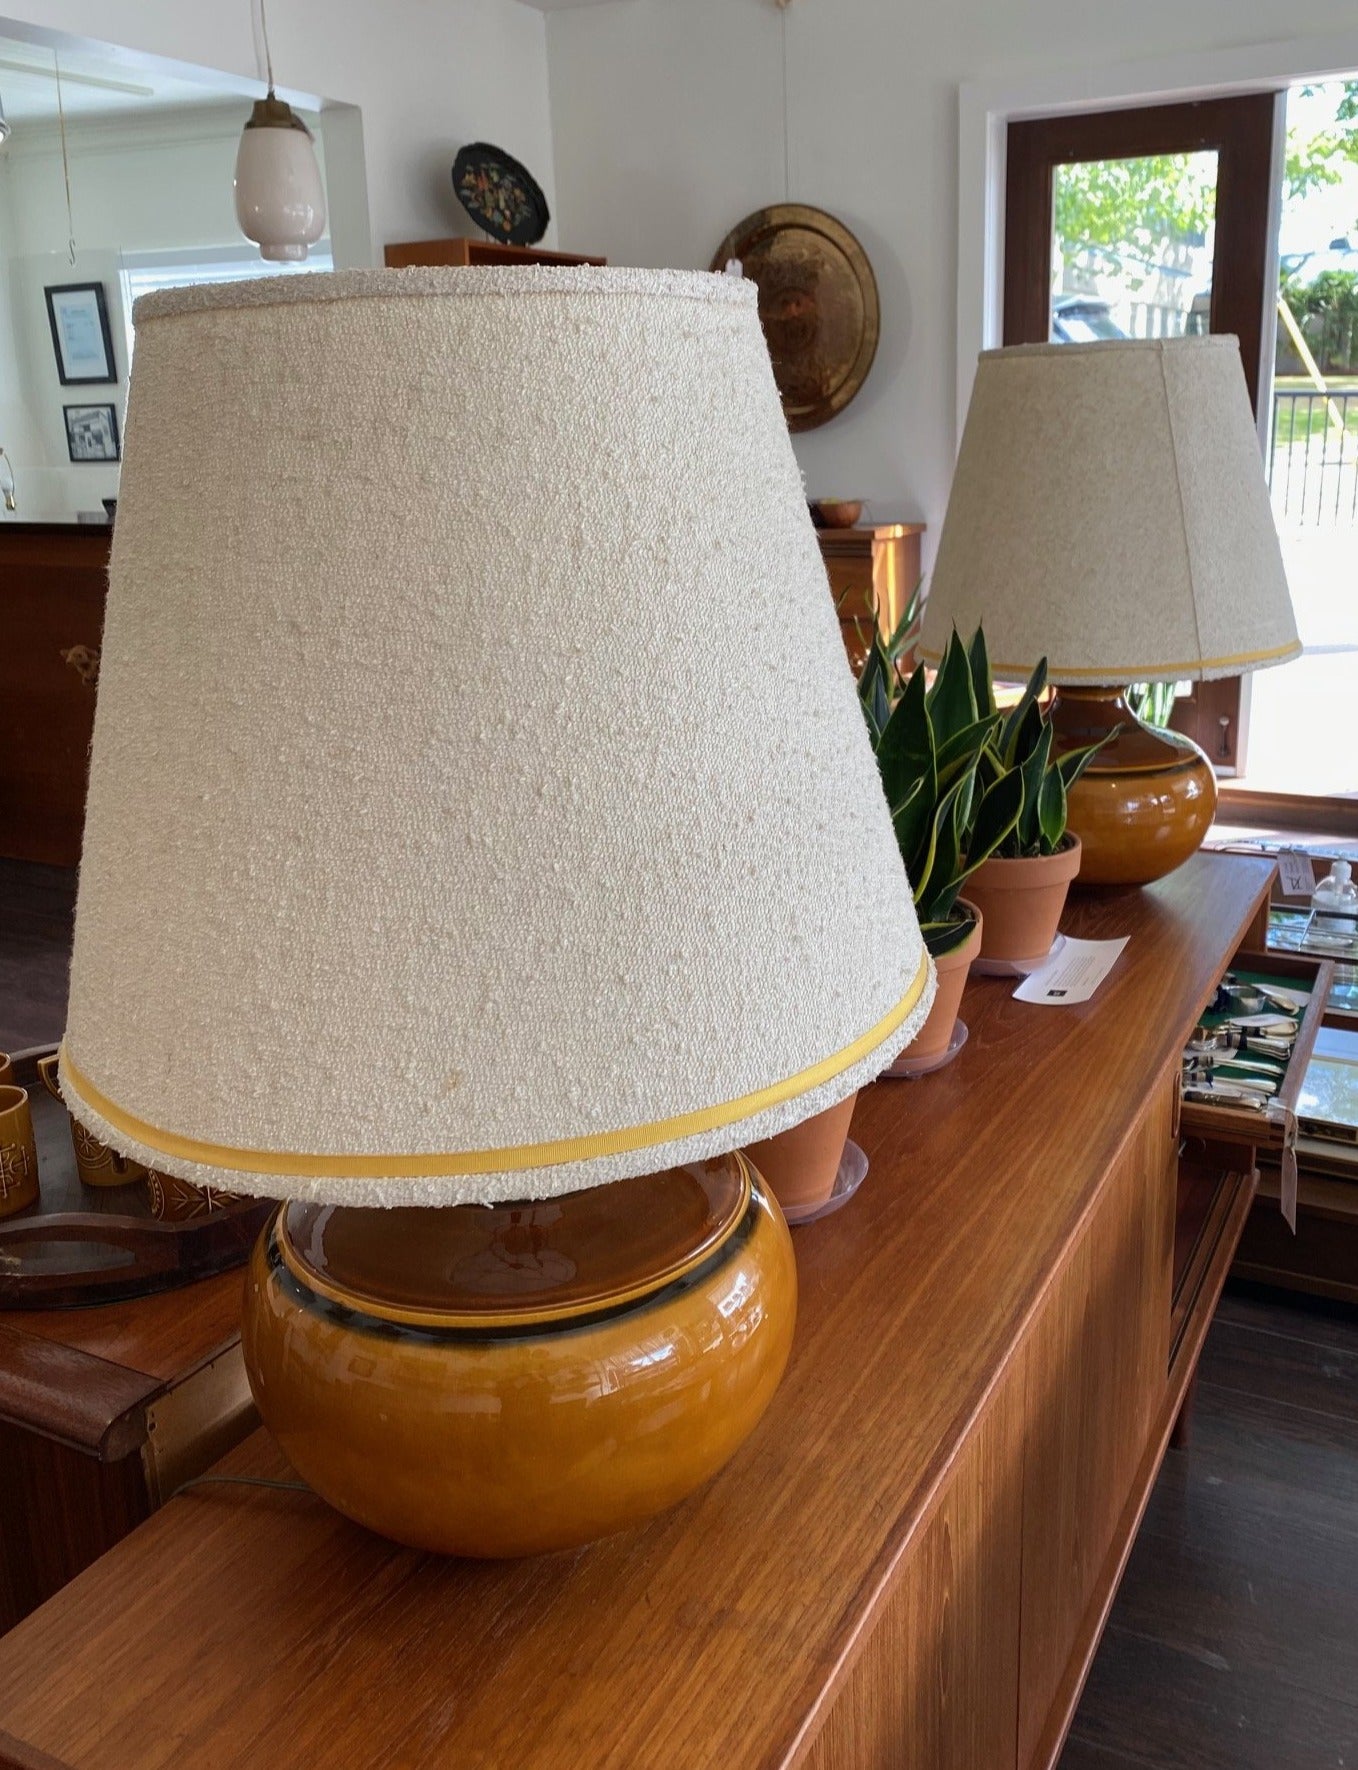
{"points": [[1021, 882], [929, 740]]}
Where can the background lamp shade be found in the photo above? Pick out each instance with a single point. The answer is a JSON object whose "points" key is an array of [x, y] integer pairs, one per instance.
{"points": [[1109, 511], [480, 806]]}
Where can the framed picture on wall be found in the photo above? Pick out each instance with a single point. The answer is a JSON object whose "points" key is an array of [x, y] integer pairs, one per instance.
{"points": [[92, 433], [80, 336]]}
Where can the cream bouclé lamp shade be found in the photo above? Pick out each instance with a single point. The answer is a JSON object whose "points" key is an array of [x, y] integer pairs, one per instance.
{"points": [[480, 807], [1109, 512]]}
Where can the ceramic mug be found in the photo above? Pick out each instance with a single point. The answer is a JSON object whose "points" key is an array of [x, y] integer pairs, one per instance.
{"points": [[6, 1070], [95, 1162], [18, 1152], [174, 1200]]}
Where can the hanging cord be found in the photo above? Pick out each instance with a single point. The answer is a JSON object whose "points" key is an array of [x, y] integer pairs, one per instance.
{"points": [[268, 53], [787, 153], [65, 163], [242, 1481]]}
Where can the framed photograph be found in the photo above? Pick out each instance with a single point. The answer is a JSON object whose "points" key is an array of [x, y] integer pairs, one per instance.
{"points": [[80, 335], [92, 433]]}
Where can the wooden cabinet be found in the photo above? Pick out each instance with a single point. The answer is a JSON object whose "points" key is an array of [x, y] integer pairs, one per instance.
{"points": [[908, 1564], [1096, 1363], [103, 1412], [873, 566], [53, 580], [401, 254]]}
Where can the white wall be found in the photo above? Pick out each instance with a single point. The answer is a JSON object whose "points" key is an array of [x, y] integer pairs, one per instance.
{"points": [[407, 83], [667, 117], [19, 434], [427, 75], [138, 185]]}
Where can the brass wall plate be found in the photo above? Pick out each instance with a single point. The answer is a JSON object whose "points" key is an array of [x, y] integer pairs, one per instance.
{"points": [[817, 304]]}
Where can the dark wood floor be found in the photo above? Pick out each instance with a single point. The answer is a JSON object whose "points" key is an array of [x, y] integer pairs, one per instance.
{"points": [[1233, 1643], [36, 905]]}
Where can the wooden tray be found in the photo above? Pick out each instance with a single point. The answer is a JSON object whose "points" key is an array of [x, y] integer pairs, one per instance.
{"points": [[98, 1244]]}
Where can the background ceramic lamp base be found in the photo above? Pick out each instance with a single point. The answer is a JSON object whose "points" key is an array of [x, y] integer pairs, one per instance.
{"points": [[1146, 801], [510, 1379]]}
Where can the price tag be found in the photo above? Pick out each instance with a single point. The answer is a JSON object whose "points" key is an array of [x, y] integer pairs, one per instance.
{"points": [[1296, 875], [1073, 974]]}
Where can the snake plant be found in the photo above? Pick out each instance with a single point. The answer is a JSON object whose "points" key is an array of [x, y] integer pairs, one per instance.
{"points": [[1020, 751], [929, 740]]}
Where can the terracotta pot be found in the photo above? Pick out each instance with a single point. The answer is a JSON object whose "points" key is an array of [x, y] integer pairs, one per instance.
{"points": [[934, 1036], [799, 1166], [1022, 901]]}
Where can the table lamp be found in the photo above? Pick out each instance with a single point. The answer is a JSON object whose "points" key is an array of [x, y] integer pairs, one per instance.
{"points": [[483, 846], [1109, 512]]}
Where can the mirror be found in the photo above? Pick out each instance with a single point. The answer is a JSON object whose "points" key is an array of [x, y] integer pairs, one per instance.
{"points": [[146, 150]]}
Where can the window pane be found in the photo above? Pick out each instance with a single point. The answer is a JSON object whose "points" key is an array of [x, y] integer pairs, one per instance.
{"points": [[1301, 715], [1132, 253]]}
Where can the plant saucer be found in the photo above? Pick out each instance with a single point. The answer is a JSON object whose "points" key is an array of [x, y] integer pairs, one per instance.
{"points": [[1015, 967], [853, 1167], [910, 1068]]}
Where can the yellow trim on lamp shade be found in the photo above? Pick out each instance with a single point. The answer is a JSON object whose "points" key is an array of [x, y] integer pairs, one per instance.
{"points": [[493, 1161], [1117, 674]]}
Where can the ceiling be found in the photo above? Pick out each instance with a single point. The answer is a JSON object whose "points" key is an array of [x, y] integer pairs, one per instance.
{"points": [[90, 86]]}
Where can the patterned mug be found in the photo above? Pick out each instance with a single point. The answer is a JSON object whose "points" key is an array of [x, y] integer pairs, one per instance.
{"points": [[95, 1162], [18, 1152]]}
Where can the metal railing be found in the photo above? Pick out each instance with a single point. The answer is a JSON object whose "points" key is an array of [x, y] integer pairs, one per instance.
{"points": [[1313, 456]]}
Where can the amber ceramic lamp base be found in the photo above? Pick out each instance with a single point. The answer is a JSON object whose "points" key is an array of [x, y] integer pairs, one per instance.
{"points": [[1146, 801], [510, 1379]]}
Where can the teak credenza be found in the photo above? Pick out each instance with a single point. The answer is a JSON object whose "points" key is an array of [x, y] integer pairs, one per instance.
{"points": [[908, 1565]]}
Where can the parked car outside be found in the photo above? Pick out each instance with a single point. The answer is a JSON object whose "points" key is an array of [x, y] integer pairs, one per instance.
{"points": [[1083, 319]]}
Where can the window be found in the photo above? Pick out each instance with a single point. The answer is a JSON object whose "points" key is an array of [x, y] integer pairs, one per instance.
{"points": [[141, 272]]}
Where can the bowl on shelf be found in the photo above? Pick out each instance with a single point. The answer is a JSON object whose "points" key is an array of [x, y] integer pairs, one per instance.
{"points": [[836, 513]]}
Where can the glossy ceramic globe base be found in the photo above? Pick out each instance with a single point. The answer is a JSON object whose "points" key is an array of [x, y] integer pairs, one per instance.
{"points": [[506, 1380], [1146, 801]]}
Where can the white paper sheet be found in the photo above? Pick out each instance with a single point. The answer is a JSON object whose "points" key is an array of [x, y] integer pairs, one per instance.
{"points": [[1073, 974]]}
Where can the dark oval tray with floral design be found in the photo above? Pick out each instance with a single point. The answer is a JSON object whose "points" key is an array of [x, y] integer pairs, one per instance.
{"points": [[500, 195], [100, 1244]]}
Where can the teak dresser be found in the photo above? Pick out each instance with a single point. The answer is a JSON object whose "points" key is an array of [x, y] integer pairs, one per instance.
{"points": [[907, 1566]]}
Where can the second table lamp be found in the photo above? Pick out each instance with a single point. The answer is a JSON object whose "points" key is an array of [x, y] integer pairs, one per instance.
{"points": [[1109, 512], [483, 844]]}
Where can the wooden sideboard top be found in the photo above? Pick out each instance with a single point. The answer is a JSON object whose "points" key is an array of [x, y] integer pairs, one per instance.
{"points": [[247, 1626]]}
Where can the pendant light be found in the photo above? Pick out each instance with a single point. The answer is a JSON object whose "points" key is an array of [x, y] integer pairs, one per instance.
{"points": [[280, 199]]}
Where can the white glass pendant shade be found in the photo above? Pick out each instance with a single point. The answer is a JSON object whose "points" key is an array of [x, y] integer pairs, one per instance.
{"points": [[280, 199]]}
